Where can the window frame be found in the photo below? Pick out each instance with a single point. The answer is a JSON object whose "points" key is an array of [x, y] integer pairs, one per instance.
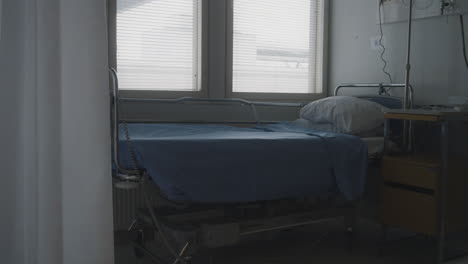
{"points": [[201, 47], [273, 96], [208, 84]]}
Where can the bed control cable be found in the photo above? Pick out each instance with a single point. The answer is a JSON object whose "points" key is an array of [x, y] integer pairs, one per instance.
{"points": [[462, 24], [147, 200], [130, 147], [156, 224]]}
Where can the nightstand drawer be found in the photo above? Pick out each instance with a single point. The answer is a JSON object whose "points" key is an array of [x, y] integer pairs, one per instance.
{"points": [[409, 209], [403, 171]]}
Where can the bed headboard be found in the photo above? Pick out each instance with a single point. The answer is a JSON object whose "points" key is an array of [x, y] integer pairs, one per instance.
{"points": [[389, 102], [382, 97]]}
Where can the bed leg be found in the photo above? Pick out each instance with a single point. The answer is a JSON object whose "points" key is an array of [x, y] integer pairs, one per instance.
{"points": [[139, 240], [182, 253], [349, 239], [350, 229]]}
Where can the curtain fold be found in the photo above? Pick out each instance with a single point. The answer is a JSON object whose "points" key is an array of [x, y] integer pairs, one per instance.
{"points": [[56, 197], [86, 164]]}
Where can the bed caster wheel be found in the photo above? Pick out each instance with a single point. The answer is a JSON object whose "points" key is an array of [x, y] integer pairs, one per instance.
{"points": [[349, 239], [188, 260]]}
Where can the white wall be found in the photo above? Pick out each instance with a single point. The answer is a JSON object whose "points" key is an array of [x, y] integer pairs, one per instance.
{"points": [[438, 67]]}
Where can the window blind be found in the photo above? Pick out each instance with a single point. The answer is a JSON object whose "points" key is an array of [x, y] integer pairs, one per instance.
{"points": [[158, 44], [277, 46]]}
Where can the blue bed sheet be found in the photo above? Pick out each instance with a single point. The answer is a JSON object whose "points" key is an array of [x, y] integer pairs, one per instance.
{"points": [[224, 164]]}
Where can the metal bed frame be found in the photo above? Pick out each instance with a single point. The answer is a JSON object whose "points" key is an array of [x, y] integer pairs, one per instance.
{"points": [[150, 219], [408, 103], [383, 88], [131, 175]]}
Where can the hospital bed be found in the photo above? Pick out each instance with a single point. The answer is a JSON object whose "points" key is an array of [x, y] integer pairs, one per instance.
{"points": [[217, 184]]}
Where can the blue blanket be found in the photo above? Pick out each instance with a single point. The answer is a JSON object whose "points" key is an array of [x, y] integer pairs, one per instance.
{"points": [[224, 164]]}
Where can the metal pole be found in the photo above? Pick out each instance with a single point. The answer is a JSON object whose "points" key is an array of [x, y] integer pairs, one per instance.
{"points": [[377, 85], [386, 136], [407, 127], [442, 195], [124, 173], [408, 58]]}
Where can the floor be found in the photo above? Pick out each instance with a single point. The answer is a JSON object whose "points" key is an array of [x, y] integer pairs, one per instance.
{"points": [[322, 243]]}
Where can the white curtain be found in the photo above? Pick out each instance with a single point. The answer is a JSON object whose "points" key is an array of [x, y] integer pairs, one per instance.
{"points": [[55, 195]]}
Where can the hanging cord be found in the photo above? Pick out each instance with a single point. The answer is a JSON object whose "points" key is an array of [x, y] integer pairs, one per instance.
{"points": [[146, 198], [462, 23], [384, 49], [144, 177], [156, 224]]}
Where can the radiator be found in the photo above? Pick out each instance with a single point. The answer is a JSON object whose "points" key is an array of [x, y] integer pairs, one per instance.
{"points": [[126, 203]]}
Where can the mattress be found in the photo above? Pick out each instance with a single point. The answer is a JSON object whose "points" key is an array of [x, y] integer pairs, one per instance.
{"points": [[375, 144], [224, 164]]}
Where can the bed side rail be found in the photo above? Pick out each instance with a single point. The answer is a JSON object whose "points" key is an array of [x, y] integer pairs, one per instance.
{"points": [[132, 175], [183, 100]]}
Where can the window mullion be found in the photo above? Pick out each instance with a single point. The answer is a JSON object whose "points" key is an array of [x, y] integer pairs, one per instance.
{"points": [[217, 48]]}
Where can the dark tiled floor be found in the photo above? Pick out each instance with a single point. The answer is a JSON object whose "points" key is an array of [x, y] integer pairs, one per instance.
{"points": [[300, 246]]}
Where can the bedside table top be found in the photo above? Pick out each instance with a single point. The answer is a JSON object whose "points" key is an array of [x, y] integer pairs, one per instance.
{"points": [[427, 115]]}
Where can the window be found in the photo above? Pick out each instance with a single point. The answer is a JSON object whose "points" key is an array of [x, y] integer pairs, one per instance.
{"points": [[277, 46], [252, 49], [158, 44]]}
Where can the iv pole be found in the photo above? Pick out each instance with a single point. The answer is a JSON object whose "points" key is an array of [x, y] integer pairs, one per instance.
{"points": [[408, 126], [408, 58]]}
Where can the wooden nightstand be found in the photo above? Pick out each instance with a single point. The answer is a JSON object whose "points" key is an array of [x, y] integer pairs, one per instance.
{"points": [[424, 193]]}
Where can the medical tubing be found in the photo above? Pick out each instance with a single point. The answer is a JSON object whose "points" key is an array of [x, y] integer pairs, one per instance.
{"points": [[146, 198], [384, 49], [156, 223], [130, 147]]}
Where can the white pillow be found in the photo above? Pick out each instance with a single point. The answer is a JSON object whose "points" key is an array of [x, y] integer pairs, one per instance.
{"points": [[345, 114]]}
